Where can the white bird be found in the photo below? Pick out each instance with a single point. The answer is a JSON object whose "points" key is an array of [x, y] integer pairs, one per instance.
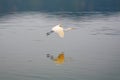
{"points": [[59, 30]]}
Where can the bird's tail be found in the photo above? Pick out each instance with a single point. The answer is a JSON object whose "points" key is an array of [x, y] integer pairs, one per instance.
{"points": [[48, 33]]}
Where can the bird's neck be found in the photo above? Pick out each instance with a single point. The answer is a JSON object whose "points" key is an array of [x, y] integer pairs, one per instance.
{"points": [[68, 29]]}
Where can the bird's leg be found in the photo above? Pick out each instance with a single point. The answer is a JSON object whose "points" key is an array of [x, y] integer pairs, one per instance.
{"points": [[48, 33]]}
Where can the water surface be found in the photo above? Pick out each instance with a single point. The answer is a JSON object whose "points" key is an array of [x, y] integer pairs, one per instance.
{"points": [[91, 52]]}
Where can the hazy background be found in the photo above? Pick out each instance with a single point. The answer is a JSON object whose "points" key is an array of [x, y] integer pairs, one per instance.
{"points": [[59, 5]]}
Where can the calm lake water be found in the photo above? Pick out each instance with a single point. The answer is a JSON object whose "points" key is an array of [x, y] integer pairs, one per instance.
{"points": [[90, 52]]}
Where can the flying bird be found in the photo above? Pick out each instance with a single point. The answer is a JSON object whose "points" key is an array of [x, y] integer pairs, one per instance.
{"points": [[59, 30]]}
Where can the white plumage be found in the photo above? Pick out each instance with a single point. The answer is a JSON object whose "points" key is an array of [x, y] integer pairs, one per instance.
{"points": [[59, 30]]}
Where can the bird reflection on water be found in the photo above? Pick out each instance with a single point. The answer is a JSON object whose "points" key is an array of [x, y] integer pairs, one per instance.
{"points": [[60, 59]]}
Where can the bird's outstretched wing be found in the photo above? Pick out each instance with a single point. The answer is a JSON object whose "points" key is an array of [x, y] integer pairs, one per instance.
{"points": [[60, 33], [59, 30]]}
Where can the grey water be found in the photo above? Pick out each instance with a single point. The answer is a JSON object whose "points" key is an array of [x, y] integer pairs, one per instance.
{"points": [[91, 51]]}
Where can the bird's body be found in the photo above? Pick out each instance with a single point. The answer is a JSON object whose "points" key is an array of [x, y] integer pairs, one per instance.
{"points": [[59, 30]]}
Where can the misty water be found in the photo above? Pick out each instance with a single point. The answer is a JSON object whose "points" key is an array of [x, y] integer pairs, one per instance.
{"points": [[91, 51]]}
